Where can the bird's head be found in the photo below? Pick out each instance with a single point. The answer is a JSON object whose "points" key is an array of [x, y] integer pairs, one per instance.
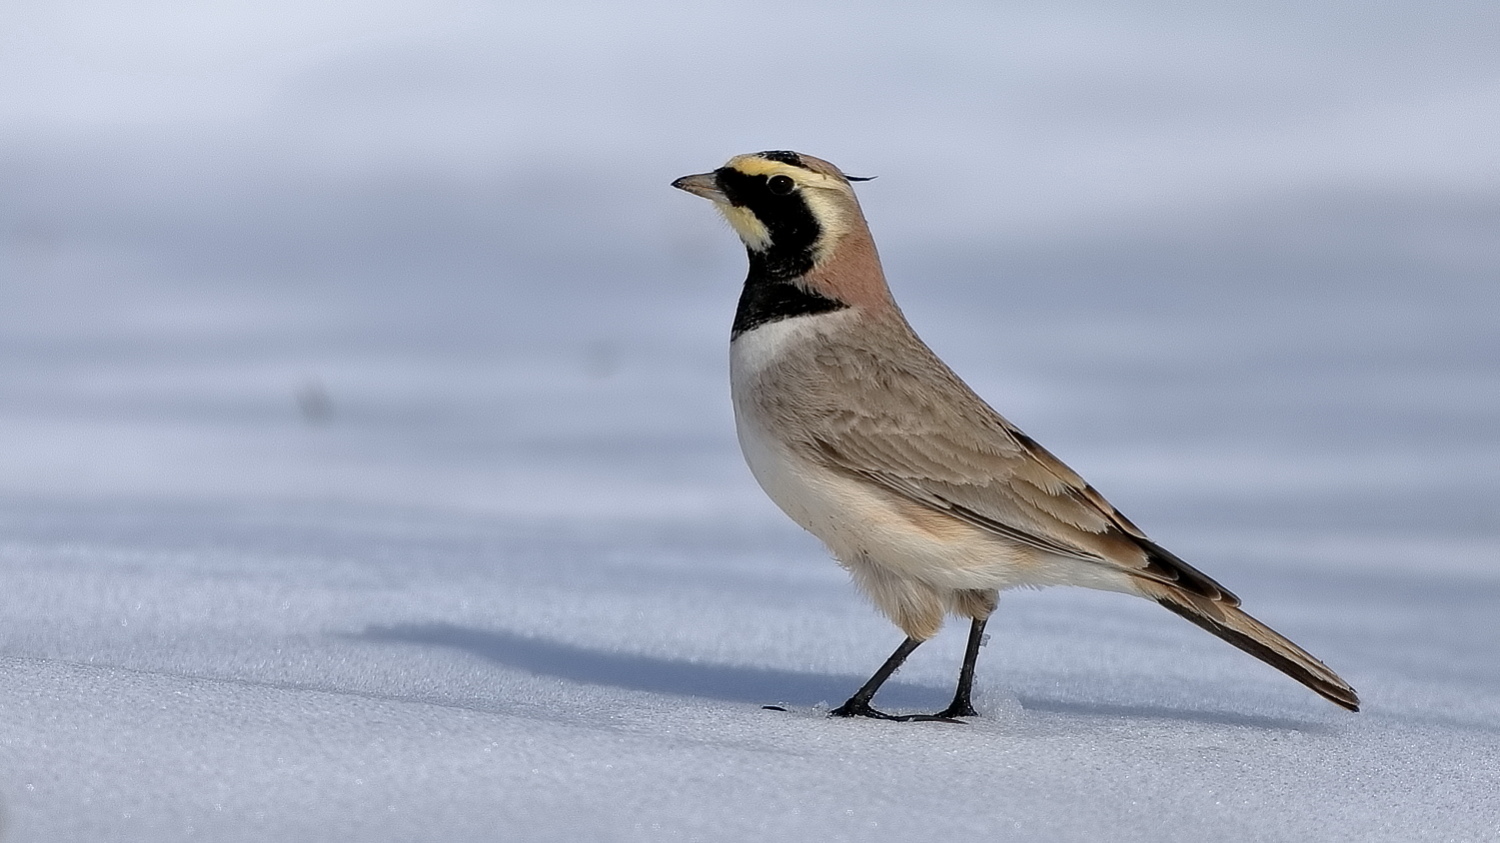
{"points": [[791, 210]]}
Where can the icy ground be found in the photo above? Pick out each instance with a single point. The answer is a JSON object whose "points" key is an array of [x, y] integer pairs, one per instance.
{"points": [[526, 591], [367, 473]]}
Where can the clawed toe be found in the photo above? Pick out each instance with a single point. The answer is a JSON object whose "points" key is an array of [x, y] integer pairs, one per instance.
{"points": [[940, 717], [859, 708]]}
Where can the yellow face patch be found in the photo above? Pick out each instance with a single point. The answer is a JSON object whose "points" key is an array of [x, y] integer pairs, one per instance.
{"points": [[829, 199], [754, 165], [748, 226]]}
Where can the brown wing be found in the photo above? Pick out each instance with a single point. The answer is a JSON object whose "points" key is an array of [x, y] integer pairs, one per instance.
{"points": [[910, 425]]}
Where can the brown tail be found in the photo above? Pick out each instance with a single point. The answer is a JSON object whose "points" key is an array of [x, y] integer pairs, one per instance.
{"points": [[1257, 639]]}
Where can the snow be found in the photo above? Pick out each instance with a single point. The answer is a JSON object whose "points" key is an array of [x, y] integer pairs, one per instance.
{"points": [[369, 471]]}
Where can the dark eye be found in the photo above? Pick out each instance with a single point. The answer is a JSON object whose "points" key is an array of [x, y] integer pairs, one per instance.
{"points": [[780, 185]]}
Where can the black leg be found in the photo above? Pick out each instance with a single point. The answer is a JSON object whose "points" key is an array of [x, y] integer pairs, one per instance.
{"points": [[859, 704], [963, 705]]}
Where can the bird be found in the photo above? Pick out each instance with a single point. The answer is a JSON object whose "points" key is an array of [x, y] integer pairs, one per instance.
{"points": [[931, 499]]}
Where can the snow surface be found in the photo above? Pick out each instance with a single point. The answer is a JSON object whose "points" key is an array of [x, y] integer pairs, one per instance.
{"points": [[368, 471]]}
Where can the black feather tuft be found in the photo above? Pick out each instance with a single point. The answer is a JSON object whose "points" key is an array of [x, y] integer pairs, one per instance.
{"points": [[783, 156]]}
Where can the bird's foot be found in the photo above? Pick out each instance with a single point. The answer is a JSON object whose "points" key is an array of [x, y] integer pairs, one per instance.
{"points": [[958, 708], [861, 708]]}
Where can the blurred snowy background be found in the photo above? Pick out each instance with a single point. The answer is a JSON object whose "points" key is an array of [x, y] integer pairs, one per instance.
{"points": [[367, 472]]}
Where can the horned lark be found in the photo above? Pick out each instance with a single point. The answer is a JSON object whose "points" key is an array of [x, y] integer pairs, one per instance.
{"points": [[929, 498]]}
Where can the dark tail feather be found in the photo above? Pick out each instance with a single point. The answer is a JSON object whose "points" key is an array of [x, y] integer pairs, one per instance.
{"points": [[1257, 639]]}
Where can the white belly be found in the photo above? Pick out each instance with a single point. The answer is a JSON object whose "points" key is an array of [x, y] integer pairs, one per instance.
{"points": [[860, 523]]}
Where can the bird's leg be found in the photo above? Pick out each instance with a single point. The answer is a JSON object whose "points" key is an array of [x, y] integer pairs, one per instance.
{"points": [[859, 704], [963, 705]]}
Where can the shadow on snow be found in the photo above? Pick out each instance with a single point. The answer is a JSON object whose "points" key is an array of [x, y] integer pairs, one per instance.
{"points": [[654, 673], [750, 684], [1161, 712]]}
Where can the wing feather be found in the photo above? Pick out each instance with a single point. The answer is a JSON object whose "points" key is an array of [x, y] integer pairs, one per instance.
{"points": [[916, 429]]}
